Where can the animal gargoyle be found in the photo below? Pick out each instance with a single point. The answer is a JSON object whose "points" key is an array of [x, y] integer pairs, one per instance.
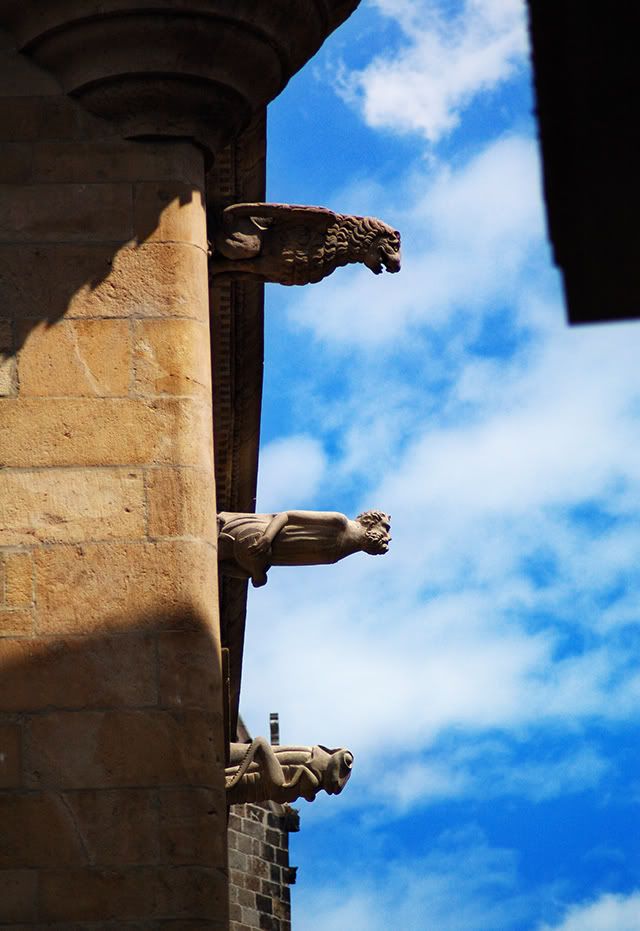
{"points": [[291, 244], [260, 772]]}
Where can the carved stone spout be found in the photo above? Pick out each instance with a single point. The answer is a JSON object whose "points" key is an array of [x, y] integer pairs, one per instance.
{"points": [[249, 544], [290, 244], [259, 772]]}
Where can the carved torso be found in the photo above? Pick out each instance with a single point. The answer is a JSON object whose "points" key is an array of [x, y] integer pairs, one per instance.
{"points": [[309, 538]]}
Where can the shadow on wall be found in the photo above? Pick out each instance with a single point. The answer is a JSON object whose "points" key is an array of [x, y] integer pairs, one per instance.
{"points": [[91, 225], [111, 796]]}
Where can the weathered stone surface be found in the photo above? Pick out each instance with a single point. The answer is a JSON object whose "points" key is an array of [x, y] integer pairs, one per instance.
{"points": [[74, 750], [10, 753], [37, 830], [169, 212], [145, 894], [192, 496], [120, 586], [95, 280], [15, 163], [104, 818], [18, 895], [20, 78], [77, 358], [65, 212], [7, 362], [185, 663], [71, 505], [18, 579], [115, 160], [192, 825], [172, 357], [15, 622], [80, 672], [97, 894], [58, 432]]}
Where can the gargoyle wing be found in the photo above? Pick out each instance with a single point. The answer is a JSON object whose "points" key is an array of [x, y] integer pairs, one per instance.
{"points": [[265, 215]]}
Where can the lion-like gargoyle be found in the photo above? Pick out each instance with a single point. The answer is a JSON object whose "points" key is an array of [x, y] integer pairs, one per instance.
{"points": [[290, 244]]}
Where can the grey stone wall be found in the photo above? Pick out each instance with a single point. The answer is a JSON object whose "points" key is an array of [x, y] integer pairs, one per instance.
{"points": [[259, 870]]}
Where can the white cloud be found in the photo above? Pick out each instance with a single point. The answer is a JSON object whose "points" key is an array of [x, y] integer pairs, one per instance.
{"points": [[468, 236], [481, 461], [462, 885], [291, 470], [446, 63], [608, 913]]}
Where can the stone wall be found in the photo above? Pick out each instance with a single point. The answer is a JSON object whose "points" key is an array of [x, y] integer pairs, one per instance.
{"points": [[259, 870], [112, 804]]}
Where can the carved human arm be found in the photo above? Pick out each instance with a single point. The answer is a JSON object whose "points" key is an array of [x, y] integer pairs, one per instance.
{"points": [[262, 545]]}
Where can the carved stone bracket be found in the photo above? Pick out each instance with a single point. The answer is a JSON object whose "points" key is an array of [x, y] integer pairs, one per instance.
{"points": [[188, 68]]}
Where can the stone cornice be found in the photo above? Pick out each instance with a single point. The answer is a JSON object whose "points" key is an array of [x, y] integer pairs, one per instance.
{"points": [[188, 68], [237, 332]]}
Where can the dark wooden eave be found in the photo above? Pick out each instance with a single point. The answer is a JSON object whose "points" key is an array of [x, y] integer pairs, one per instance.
{"points": [[587, 82], [237, 334]]}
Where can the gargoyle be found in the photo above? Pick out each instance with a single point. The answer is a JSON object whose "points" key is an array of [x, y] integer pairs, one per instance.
{"points": [[249, 544], [290, 244], [260, 772]]}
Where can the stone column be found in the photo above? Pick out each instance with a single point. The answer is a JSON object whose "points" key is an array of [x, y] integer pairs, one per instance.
{"points": [[111, 754]]}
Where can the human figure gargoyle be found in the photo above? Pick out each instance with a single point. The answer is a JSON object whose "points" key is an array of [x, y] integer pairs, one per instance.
{"points": [[249, 544]]}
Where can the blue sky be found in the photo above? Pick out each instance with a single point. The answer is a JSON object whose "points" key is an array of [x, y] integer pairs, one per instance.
{"points": [[483, 672]]}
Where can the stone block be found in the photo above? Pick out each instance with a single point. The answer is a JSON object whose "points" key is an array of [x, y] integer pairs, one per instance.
{"points": [[71, 505], [181, 503], [97, 894], [65, 212], [126, 586], [264, 904], [119, 827], [169, 212], [172, 357], [37, 831], [44, 282], [18, 895], [19, 118], [76, 358], [116, 160], [193, 892], [109, 749], [80, 672], [188, 670], [247, 898], [15, 163], [21, 78], [69, 432], [251, 917], [192, 826], [8, 385], [10, 756], [16, 622], [18, 579], [143, 893]]}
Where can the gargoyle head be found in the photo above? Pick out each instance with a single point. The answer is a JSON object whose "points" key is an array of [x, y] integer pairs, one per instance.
{"points": [[384, 252], [332, 768]]}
